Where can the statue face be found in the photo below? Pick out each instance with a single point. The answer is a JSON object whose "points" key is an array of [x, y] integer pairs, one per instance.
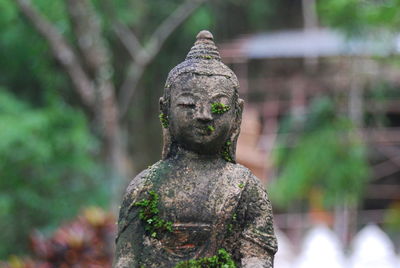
{"points": [[194, 124]]}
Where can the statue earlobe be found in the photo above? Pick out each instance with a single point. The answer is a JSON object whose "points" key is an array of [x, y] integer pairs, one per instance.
{"points": [[236, 130], [240, 109], [164, 120], [162, 104]]}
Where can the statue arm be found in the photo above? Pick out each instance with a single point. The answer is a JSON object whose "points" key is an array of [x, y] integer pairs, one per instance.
{"points": [[125, 256], [129, 237], [258, 241]]}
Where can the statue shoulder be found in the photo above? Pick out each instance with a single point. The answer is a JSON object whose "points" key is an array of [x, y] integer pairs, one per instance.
{"points": [[252, 188], [241, 172], [250, 178], [137, 181], [136, 186], [141, 180], [140, 184]]}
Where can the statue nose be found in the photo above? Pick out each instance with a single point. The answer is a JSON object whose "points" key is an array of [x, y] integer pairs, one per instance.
{"points": [[204, 113]]}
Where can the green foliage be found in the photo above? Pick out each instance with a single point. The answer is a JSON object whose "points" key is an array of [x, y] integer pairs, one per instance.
{"points": [[46, 169], [47, 165], [328, 155], [203, 18], [154, 225], [259, 11], [357, 15], [222, 260], [219, 108], [28, 65]]}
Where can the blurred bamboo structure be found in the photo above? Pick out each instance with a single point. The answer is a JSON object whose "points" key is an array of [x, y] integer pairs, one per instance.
{"points": [[279, 79]]}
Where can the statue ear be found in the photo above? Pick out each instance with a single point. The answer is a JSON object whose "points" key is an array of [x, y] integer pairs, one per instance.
{"points": [[236, 130], [164, 124], [240, 109], [162, 105]]}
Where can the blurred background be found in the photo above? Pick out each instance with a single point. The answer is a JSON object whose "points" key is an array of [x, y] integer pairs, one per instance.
{"points": [[79, 88]]}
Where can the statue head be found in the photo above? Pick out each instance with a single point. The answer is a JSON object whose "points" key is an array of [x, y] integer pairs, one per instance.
{"points": [[201, 110]]}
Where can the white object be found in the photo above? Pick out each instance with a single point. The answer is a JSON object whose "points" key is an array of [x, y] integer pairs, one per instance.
{"points": [[285, 256], [372, 248], [321, 248]]}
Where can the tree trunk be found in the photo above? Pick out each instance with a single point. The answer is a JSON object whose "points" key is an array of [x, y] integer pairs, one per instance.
{"points": [[90, 71]]}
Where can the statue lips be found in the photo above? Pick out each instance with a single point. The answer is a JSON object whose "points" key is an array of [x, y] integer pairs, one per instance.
{"points": [[203, 130]]}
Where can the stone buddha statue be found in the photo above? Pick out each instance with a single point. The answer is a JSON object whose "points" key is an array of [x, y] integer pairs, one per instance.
{"points": [[196, 203]]}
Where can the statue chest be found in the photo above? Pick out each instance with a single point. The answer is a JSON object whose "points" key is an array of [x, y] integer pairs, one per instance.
{"points": [[200, 208], [194, 198]]}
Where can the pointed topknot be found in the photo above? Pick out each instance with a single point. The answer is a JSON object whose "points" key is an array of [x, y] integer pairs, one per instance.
{"points": [[202, 59], [205, 35], [204, 47]]}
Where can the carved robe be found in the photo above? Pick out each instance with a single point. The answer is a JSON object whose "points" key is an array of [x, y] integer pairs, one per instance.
{"points": [[212, 205]]}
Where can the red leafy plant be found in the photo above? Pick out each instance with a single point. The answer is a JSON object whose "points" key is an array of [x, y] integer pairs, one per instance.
{"points": [[86, 241]]}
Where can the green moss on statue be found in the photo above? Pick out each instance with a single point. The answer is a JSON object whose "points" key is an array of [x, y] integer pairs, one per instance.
{"points": [[219, 108], [154, 225], [222, 260], [164, 120], [225, 152], [230, 225]]}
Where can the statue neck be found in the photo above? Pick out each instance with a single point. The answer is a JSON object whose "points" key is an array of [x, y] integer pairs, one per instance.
{"points": [[184, 154]]}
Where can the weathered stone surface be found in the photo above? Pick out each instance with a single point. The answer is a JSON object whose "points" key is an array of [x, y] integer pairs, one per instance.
{"points": [[210, 201]]}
